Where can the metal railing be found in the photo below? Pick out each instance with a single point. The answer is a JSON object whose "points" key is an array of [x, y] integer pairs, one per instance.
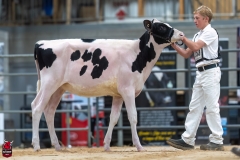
{"points": [[67, 129], [119, 127], [30, 12]]}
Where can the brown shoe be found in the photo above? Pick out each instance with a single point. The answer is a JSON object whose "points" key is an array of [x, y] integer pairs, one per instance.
{"points": [[212, 146], [179, 144]]}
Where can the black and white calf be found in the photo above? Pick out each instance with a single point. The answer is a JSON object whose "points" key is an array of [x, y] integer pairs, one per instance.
{"points": [[99, 67]]}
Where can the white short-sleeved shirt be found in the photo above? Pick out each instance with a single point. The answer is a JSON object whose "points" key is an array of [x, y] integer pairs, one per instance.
{"points": [[210, 51]]}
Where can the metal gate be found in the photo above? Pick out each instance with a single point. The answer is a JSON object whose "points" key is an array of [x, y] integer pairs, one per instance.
{"points": [[120, 127]]}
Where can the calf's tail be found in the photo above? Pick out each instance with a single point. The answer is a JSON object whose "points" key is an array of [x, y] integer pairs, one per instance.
{"points": [[38, 70]]}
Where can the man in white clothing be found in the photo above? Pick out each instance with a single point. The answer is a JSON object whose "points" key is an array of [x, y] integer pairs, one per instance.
{"points": [[206, 88]]}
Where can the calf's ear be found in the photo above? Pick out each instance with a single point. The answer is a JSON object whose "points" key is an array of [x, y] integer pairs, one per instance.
{"points": [[147, 24]]}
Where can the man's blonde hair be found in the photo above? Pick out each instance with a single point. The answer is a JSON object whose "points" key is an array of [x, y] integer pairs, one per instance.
{"points": [[205, 12]]}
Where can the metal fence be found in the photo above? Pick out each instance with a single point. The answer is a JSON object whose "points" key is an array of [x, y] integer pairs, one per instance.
{"points": [[27, 12], [120, 127]]}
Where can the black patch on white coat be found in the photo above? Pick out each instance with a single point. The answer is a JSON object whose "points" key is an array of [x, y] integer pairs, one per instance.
{"points": [[99, 64], [75, 55], [96, 56], [83, 70], [88, 40], [45, 57], [86, 56], [145, 55]]}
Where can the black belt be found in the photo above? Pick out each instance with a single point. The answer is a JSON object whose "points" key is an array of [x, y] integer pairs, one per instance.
{"points": [[203, 68]]}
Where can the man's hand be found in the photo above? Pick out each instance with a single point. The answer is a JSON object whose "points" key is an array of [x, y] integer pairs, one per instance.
{"points": [[186, 53], [173, 45], [183, 38]]}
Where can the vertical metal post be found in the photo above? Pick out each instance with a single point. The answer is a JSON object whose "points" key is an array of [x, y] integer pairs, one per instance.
{"points": [[120, 131], [181, 9], [68, 126], [4, 64], [189, 80], [55, 11], [97, 9], [89, 124], [165, 10], [97, 122], [235, 6], [68, 11], [1, 8], [140, 8], [4, 45]]}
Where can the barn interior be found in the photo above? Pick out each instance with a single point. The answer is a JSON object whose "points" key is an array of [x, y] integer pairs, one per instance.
{"points": [[24, 22]]}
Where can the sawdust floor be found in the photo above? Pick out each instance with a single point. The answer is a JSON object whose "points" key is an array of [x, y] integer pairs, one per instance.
{"points": [[123, 153]]}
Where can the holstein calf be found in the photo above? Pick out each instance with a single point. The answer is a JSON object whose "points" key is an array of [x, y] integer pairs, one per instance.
{"points": [[99, 67]]}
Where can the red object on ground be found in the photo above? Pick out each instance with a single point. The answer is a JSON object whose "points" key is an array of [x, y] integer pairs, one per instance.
{"points": [[78, 138]]}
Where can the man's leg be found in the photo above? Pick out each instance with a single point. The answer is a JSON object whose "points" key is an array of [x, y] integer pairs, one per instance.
{"points": [[193, 118], [211, 89]]}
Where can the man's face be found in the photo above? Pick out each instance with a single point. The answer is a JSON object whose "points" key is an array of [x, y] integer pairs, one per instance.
{"points": [[200, 21]]}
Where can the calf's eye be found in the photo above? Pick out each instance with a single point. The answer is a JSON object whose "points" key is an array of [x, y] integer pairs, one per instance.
{"points": [[162, 29]]}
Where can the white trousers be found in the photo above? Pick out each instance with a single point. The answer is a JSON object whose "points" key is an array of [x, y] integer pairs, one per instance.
{"points": [[206, 92]]}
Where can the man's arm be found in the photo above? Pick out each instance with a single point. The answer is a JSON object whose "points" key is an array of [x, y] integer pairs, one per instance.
{"points": [[186, 53], [194, 46]]}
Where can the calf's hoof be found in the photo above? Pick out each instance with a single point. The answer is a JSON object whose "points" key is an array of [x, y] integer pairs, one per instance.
{"points": [[58, 147], [36, 148], [107, 147], [141, 149]]}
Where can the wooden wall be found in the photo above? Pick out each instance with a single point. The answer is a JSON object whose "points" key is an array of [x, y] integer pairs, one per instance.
{"points": [[219, 7]]}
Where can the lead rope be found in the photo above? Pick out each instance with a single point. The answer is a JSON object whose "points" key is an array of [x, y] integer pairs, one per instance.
{"points": [[180, 43]]}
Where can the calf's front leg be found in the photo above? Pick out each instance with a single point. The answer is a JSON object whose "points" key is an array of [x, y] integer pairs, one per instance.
{"points": [[114, 116], [129, 99]]}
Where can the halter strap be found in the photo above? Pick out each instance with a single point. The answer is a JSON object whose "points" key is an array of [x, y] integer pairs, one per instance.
{"points": [[168, 38]]}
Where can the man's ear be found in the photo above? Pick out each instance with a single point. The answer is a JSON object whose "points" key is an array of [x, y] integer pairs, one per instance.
{"points": [[206, 18], [148, 25]]}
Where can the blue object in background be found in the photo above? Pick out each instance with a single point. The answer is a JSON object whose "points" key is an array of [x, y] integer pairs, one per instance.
{"points": [[48, 7], [224, 122]]}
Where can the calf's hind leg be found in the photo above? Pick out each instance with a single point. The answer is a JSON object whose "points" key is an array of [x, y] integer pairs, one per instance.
{"points": [[38, 105], [49, 113], [115, 113]]}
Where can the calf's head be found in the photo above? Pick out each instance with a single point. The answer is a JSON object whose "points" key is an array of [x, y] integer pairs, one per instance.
{"points": [[162, 32]]}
